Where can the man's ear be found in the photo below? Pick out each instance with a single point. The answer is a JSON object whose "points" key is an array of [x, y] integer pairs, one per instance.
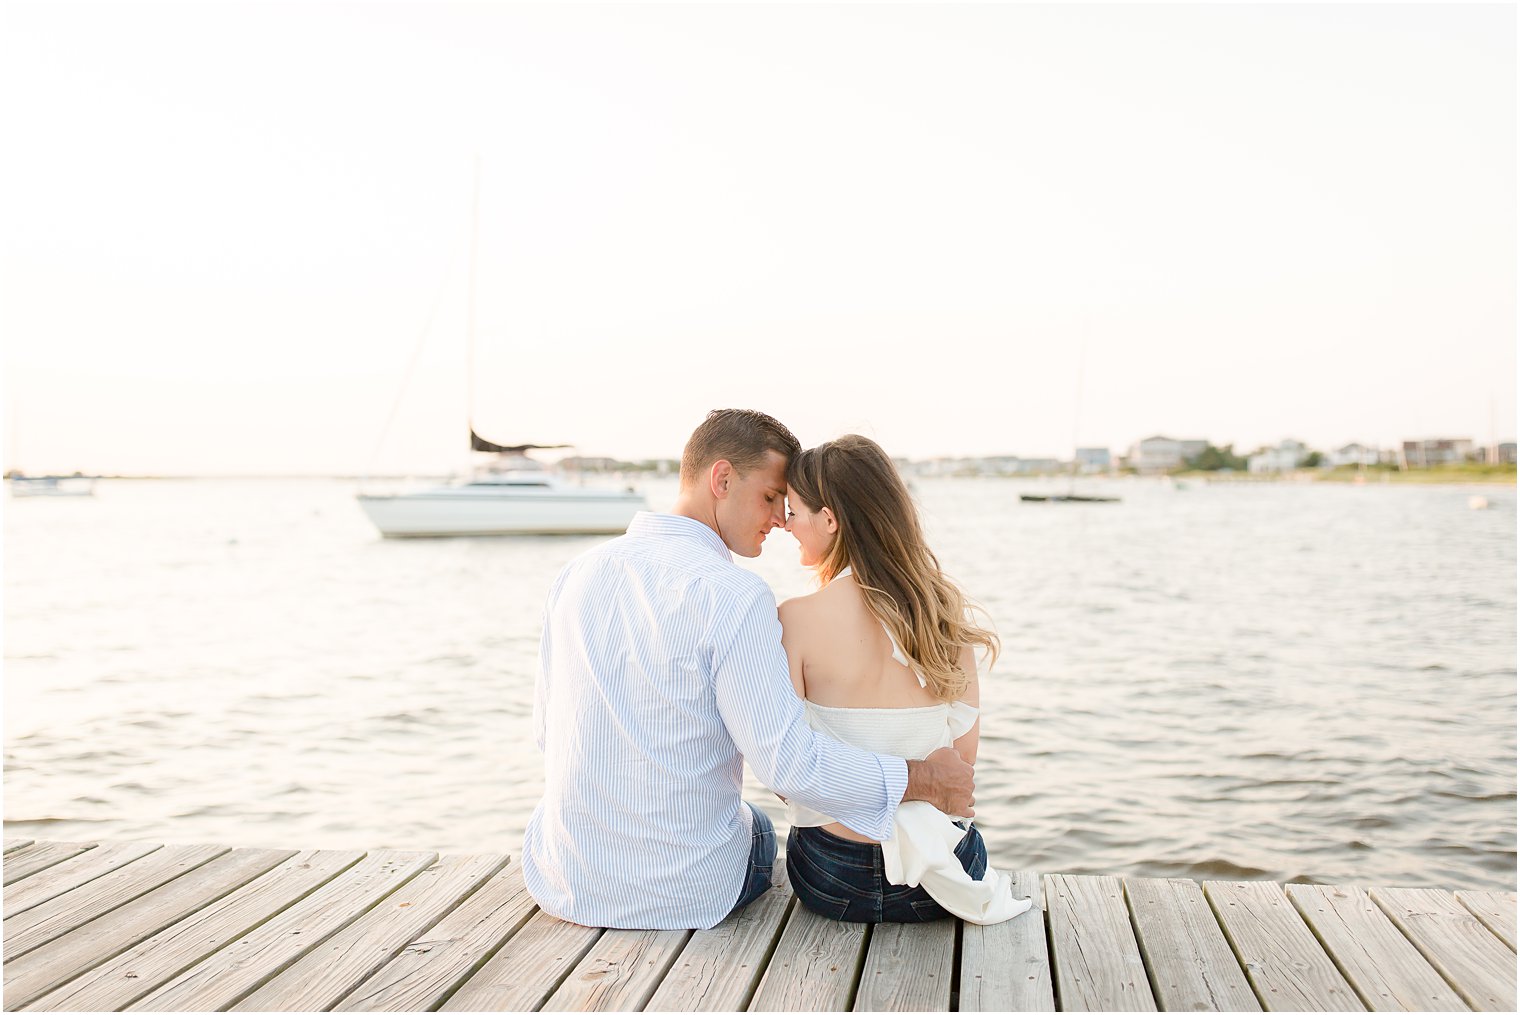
{"points": [[830, 524], [719, 478]]}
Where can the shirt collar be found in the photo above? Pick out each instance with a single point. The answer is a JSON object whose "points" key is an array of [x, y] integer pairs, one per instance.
{"points": [[648, 523]]}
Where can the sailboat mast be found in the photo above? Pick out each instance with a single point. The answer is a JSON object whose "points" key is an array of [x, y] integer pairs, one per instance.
{"points": [[1076, 416], [469, 373]]}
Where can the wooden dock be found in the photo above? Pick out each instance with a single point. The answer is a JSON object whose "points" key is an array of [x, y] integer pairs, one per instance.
{"points": [[124, 925]]}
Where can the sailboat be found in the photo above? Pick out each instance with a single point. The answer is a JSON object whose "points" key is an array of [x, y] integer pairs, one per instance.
{"points": [[1071, 496], [1065, 498], [510, 494]]}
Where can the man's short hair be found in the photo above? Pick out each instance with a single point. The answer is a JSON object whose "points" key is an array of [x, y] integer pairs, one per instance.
{"points": [[739, 436]]}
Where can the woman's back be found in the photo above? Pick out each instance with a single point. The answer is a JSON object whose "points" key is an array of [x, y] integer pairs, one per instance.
{"points": [[861, 688]]}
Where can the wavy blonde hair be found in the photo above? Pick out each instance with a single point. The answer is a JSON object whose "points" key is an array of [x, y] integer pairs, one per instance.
{"points": [[881, 541]]}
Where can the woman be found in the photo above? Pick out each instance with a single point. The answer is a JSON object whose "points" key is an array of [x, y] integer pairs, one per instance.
{"points": [[883, 656]]}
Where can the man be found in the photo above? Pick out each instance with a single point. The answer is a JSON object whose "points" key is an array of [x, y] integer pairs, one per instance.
{"points": [[661, 671]]}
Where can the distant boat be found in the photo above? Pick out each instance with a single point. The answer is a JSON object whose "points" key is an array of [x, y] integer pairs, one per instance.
{"points": [[1056, 498], [1071, 496], [50, 486], [510, 495]]}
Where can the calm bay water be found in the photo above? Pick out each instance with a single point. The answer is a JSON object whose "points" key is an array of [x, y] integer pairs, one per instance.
{"points": [[1232, 680]]}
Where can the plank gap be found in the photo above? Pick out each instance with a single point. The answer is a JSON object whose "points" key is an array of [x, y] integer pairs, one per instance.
{"points": [[860, 967], [1240, 961]]}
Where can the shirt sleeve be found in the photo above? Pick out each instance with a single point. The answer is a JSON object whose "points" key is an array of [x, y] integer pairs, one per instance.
{"points": [[764, 716]]}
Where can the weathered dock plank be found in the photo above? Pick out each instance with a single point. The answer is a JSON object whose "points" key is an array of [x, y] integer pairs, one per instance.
{"points": [[324, 975], [719, 969], [232, 972], [1496, 910], [1479, 967], [1094, 953], [1384, 969], [909, 967], [38, 856], [63, 913], [71, 873], [154, 961], [428, 970], [815, 967], [1006, 967], [620, 972], [1190, 962], [59, 960], [1285, 964], [528, 968], [15, 844]]}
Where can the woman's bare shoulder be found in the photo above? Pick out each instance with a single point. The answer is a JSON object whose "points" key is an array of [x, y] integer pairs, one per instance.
{"points": [[798, 608], [822, 606]]}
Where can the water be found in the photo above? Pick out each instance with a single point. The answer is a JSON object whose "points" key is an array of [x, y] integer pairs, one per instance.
{"points": [[1292, 681]]}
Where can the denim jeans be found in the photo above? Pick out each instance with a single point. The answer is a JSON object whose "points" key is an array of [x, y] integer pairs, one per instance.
{"points": [[845, 880], [762, 859]]}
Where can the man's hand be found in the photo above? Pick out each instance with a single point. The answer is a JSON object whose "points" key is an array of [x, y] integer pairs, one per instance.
{"points": [[944, 780]]}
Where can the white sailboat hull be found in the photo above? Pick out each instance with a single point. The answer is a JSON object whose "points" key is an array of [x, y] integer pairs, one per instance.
{"points": [[503, 511], [47, 486]]}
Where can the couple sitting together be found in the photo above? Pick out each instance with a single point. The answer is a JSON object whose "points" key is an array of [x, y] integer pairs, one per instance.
{"points": [[664, 666]]}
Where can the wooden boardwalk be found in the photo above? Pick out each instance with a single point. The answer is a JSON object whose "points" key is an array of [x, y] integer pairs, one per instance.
{"points": [[124, 925]]}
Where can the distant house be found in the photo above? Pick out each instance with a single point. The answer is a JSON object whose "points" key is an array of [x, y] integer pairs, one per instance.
{"points": [[947, 467], [579, 463], [1423, 454], [1355, 454], [1093, 460], [1028, 466], [1163, 454], [1283, 458], [1503, 454], [999, 465]]}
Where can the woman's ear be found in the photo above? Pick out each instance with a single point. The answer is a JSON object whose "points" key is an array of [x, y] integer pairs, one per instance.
{"points": [[830, 525]]}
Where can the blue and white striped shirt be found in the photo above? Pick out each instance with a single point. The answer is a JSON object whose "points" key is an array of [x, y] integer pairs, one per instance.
{"points": [[661, 672]]}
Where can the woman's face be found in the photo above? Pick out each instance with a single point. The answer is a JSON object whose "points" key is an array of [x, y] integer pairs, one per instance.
{"points": [[813, 530]]}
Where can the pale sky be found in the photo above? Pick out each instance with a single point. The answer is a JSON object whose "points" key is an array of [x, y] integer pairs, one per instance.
{"points": [[224, 228]]}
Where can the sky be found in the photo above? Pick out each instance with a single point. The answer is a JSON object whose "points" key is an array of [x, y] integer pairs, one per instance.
{"points": [[236, 238]]}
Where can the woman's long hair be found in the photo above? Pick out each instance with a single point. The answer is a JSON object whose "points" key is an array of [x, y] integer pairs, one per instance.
{"points": [[881, 541]]}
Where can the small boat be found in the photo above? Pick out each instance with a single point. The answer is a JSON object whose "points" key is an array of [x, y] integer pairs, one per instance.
{"points": [[50, 486], [1070, 496], [1062, 498], [512, 496]]}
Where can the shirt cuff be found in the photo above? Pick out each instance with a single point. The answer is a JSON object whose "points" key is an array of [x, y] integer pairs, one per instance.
{"points": [[894, 772]]}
